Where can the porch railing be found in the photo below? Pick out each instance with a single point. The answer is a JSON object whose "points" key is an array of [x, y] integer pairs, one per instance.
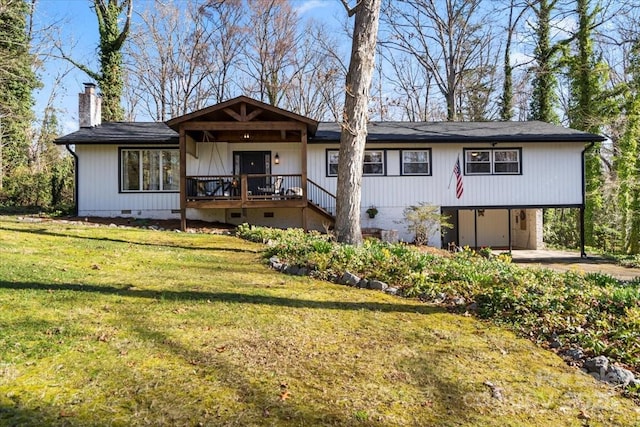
{"points": [[247, 187]]}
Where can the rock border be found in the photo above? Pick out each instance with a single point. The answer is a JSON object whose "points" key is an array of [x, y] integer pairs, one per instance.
{"points": [[598, 367]]}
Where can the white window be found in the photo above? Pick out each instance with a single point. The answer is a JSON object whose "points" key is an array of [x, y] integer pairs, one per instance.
{"points": [[416, 162], [150, 170], [373, 162], [492, 162], [506, 161]]}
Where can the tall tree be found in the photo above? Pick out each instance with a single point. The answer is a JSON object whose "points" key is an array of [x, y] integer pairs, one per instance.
{"points": [[173, 57], [506, 99], [354, 122], [586, 75], [226, 16], [17, 80], [544, 97], [447, 38], [627, 163], [313, 88], [270, 48], [112, 38]]}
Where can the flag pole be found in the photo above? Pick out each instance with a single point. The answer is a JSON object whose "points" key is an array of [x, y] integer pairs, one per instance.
{"points": [[451, 176]]}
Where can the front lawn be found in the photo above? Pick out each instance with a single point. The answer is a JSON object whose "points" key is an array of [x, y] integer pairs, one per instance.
{"points": [[112, 326]]}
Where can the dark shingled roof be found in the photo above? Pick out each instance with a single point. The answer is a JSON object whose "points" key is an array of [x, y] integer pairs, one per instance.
{"points": [[465, 132], [388, 132], [122, 132]]}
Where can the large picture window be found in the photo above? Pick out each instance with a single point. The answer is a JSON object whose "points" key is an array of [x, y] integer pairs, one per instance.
{"points": [[373, 162], [150, 170], [416, 162], [492, 161]]}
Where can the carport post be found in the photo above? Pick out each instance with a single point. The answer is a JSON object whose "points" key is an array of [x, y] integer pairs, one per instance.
{"points": [[583, 254], [475, 229]]}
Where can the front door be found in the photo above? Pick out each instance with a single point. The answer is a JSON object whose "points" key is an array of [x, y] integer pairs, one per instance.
{"points": [[252, 163]]}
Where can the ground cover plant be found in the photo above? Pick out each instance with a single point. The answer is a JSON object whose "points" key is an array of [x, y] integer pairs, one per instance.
{"points": [[124, 326], [593, 312]]}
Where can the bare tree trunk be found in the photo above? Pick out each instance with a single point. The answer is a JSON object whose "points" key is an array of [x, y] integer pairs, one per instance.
{"points": [[354, 121]]}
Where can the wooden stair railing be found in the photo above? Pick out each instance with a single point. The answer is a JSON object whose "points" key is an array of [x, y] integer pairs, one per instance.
{"points": [[321, 200]]}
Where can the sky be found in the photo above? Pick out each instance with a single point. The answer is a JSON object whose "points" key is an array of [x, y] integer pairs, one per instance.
{"points": [[75, 22]]}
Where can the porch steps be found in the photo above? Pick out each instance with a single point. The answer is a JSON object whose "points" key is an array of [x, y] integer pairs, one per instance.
{"points": [[321, 200], [322, 211]]}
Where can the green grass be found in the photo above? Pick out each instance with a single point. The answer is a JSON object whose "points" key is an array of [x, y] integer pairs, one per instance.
{"points": [[104, 326]]}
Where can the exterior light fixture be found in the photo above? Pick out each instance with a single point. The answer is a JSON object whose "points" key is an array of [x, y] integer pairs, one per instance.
{"points": [[276, 159], [246, 135]]}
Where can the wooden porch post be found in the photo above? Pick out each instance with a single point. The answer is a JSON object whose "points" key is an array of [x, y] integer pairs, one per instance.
{"points": [[509, 222], [183, 179], [303, 138]]}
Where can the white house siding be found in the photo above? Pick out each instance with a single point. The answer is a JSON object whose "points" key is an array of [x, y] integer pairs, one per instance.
{"points": [[98, 192], [551, 175], [216, 158], [213, 158]]}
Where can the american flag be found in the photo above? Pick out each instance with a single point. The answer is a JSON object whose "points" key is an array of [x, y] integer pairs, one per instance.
{"points": [[458, 174]]}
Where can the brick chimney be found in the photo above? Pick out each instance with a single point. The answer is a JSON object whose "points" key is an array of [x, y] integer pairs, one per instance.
{"points": [[90, 107]]}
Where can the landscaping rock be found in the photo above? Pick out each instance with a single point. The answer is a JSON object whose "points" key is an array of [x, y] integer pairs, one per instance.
{"points": [[349, 279], [635, 382], [389, 236], [303, 271], [459, 301], [595, 375], [555, 343], [440, 298], [277, 266], [598, 364], [391, 290], [618, 376], [575, 353], [363, 283], [473, 307], [378, 285], [292, 270], [274, 259]]}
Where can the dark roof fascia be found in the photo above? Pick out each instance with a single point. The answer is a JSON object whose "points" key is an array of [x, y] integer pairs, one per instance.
{"points": [[450, 133], [461, 140], [118, 133]]}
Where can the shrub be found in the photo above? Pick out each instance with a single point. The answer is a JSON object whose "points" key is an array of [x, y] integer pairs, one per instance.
{"points": [[425, 220]]}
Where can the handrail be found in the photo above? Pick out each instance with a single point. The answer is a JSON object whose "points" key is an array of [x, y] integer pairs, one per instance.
{"points": [[245, 187], [321, 197]]}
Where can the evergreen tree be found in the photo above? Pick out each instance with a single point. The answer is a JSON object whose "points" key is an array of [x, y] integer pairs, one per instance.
{"points": [[627, 162], [544, 98], [112, 38], [586, 75], [17, 80]]}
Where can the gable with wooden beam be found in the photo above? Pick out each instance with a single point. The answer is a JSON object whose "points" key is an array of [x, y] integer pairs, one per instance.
{"points": [[239, 120]]}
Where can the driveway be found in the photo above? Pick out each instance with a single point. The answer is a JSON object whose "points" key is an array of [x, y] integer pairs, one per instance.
{"points": [[571, 261]]}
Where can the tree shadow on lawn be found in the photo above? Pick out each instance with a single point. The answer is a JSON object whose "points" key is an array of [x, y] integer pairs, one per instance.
{"points": [[259, 399], [228, 297], [19, 415], [45, 232]]}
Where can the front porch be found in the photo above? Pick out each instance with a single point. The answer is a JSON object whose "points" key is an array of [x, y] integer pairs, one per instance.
{"points": [[257, 191], [253, 156], [245, 191]]}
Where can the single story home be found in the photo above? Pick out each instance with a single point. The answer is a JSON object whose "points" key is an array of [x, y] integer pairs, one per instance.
{"points": [[246, 161]]}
